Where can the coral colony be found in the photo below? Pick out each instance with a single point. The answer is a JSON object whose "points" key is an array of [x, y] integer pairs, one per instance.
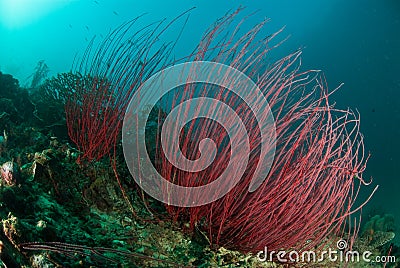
{"points": [[311, 188]]}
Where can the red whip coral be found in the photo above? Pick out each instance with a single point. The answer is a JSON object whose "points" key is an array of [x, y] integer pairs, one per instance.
{"points": [[109, 77], [104, 83], [310, 190], [315, 177]]}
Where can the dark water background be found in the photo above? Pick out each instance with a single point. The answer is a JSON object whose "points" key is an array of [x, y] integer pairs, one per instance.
{"points": [[355, 42]]}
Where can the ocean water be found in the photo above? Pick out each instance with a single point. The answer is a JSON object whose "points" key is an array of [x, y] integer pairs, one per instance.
{"points": [[354, 42]]}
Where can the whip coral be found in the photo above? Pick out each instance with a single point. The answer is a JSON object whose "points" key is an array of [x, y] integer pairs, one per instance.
{"points": [[315, 177], [105, 80], [315, 173]]}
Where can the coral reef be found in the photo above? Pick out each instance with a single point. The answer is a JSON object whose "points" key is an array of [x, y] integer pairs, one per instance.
{"points": [[63, 207], [55, 199], [48, 205], [81, 207]]}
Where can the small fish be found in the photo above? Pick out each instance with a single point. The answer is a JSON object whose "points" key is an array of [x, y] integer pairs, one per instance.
{"points": [[87, 27], [70, 26], [96, 2], [115, 13]]}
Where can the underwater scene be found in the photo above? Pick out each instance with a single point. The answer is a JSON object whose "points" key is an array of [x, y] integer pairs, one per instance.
{"points": [[199, 133]]}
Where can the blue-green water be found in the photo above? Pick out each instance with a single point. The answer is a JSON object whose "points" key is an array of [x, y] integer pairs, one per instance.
{"points": [[354, 42]]}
